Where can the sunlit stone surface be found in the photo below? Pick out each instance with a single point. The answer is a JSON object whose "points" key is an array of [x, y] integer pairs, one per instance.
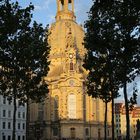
{"points": [[68, 111]]}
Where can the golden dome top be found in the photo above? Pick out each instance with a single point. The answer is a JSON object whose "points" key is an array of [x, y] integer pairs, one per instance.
{"points": [[65, 35], [65, 10]]}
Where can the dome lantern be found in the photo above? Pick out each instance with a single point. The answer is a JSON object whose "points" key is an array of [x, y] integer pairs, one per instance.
{"points": [[65, 10]]}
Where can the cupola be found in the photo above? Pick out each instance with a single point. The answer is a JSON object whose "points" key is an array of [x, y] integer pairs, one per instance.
{"points": [[65, 10]]}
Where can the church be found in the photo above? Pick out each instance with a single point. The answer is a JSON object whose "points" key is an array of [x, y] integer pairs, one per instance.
{"points": [[68, 113]]}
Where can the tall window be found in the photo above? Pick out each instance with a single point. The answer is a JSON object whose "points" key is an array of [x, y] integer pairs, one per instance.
{"points": [[9, 137], [99, 133], [56, 106], [9, 113], [3, 125], [3, 137], [87, 131], [9, 102], [18, 125], [55, 131], [4, 100], [4, 113], [18, 137], [19, 114], [9, 125], [71, 66], [73, 133], [23, 115], [72, 106], [23, 126], [23, 137]]}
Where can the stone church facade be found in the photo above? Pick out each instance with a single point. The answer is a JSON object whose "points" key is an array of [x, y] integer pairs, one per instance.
{"points": [[68, 112]]}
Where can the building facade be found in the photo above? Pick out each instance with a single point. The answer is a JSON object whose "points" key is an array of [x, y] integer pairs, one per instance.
{"points": [[120, 121], [68, 112], [6, 120]]}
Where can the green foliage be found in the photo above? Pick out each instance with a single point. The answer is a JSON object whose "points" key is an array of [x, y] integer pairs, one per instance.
{"points": [[133, 99], [23, 55], [113, 48], [24, 52]]}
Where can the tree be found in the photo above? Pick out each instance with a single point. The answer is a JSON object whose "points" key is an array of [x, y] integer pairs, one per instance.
{"points": [[128, 27], [33, 85], [23, 52], [100, 59], [112, 47]]}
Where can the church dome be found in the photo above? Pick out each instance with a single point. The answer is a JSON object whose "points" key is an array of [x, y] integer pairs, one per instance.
{"points": [[65, 33], [65, 39]]}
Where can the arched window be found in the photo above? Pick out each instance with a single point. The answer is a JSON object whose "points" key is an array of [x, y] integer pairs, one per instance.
{"points": [[72, 106]]}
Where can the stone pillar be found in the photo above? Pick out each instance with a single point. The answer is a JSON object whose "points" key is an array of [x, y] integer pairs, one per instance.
{"points": [[58, 5], [66, 5], [72, 5]]}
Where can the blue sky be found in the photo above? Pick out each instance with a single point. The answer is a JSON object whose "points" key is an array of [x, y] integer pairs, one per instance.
{"points": [[45, 11]]}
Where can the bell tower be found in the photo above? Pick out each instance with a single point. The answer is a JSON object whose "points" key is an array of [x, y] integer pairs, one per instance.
{"points": [[65, 10]]}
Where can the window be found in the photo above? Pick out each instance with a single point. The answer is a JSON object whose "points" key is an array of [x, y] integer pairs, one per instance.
{"points": [[4, 100], [71, 66], [18, 125], [23, 126], [99, 133], [19, 103], [18, 114], [56, 105], [23, 137], [23, 115], [9, 125], [9, 137], [73, 133], [3, 137], [87, 131], [3, 125], [4, 113], [72, 106], [18, 137], [9, 102], [9, 113], [55, 131]]}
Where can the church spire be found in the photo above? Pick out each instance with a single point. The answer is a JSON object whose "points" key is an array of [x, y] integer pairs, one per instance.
{"points": [[65, 9]]}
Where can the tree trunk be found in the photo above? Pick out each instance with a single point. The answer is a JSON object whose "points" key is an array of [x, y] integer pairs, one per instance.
{"points": [[127, 112], [105, 122], [27, 120], [113, 116], [14, 118]]}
